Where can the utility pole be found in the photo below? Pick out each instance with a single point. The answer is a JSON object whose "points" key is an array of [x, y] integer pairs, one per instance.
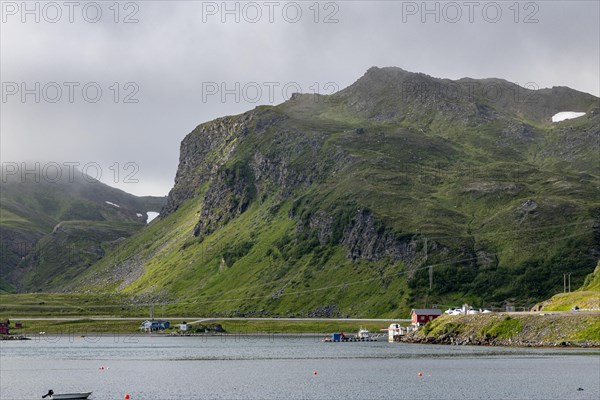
{"points": [[569, 282], [564, 283], [430, 277], [151, 311]]}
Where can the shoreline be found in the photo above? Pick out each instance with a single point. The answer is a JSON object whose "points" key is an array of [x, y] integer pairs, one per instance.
{"points": [[409, 339], [81, 335], [501, 343], [14, 337], [539, 330], [501, 329]]}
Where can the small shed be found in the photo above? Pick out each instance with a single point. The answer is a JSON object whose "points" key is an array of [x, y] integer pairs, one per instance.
{"points": [[154, 325], [421, 316], [338, 337]]}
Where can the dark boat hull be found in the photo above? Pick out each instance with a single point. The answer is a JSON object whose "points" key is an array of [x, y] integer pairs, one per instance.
{"points": [[71, 396]]}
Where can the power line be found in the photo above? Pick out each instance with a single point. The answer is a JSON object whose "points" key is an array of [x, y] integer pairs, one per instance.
{"points": [[264, 296], [399, 273], [547, 227]]}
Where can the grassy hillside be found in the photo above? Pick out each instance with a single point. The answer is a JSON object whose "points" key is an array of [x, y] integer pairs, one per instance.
{"points": [[66, 305], [50, 231], [241, 269], [515, 329], [342, 205], [365, 203], [586, 297]]}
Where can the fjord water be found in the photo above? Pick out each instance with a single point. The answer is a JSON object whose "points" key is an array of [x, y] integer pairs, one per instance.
{"points": [[253, 367]]}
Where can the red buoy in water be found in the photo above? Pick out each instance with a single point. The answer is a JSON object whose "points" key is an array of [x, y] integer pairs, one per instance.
{"points": [[420, 374], [314, 372], [126, 397]]}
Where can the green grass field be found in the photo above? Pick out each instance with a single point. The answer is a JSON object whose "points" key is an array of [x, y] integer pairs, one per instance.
{"points": [[586, 297]]}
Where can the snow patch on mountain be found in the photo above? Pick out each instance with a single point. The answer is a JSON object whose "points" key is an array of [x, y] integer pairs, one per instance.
{"points": [[151, 216], [563, 115]]}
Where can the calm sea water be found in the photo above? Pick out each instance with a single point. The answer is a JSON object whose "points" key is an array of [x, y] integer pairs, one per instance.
{"points": [[283, 368]]}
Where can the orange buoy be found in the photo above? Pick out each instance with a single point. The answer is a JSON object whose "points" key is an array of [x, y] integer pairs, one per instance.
{"points": [[420, 374], [314, 372], [126, 397]]}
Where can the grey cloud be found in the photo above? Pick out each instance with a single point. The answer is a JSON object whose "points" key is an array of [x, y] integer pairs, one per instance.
{"points": [[170, 53]]}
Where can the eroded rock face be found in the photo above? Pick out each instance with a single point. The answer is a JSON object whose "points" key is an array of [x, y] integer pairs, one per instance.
{"points": [[229, 195], [209, 156], [363, 239], [529, 205], [202, 153], [16, 245], [320, 222], [519, 133], [234, 188]]}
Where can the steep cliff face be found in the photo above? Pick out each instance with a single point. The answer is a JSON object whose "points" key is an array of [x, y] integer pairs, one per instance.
{"points": [[394, 190], [278, 160], [363, 239], [228, 196], [363, 236], [202, 153]]}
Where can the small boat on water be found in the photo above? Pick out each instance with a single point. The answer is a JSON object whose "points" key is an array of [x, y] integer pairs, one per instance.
{"points": [[66, 396], [363, 334]]}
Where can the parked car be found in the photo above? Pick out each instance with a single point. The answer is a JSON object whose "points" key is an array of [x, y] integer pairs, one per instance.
{"points": [[453, 310]]}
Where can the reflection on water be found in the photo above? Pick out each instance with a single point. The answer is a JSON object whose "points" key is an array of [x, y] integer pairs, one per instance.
{"points": [[277, 367]]}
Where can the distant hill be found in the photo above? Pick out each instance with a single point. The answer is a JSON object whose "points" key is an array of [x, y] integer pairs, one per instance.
{"points": [[401, 190], [52, 231]]}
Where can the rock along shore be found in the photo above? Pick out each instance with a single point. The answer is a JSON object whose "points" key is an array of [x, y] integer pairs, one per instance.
{"points": [[504, 329]]}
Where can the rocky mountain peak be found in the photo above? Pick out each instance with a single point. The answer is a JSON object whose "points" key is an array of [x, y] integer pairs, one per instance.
{"points": [[398, 172], [392, 93]]}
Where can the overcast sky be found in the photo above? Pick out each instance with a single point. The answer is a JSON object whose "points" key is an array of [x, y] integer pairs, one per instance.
{"points": [[162, 73]]}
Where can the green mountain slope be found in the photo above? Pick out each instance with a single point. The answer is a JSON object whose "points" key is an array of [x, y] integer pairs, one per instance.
{"points": [[51, 231], [586, 297], [348, 204]]}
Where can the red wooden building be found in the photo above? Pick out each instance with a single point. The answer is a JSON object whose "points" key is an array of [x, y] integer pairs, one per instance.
{"points": [[5, 327], [421, 316]]}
